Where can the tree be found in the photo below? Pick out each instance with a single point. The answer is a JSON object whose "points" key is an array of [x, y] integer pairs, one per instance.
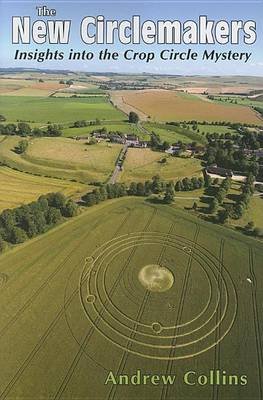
{"points": [[17, 235], [53, 215], [140, 189], [70, 209], [2, 118], [90, 199], [21, 146], [56, 200], [213, 206], [165, 145], [10, 129], [23, 129], [169, 195], [54, 130], [223, 216], [2, 245], [133, 117], [195, 206], [156, 184], [208, 180], [148, 188], [133, 189], [37, 132], [178, 186]]}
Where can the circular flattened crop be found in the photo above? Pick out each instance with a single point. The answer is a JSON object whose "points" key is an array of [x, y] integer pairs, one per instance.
{"points": [[156, 278], [135, 303]]}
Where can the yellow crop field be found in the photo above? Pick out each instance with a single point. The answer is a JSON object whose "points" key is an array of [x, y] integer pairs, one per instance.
{"points": [[165, 105], [17, 188]]}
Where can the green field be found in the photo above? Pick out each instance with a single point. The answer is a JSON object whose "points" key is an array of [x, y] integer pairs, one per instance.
{"points": [[241, 100], [110, 126], [17, 188], [73, 307], [215, 129], [173, 134], [58, 110], [62, 158], [143, 164]]}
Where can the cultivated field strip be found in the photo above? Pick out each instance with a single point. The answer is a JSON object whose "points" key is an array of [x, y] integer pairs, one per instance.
{"points": [[29, 302], [180, 311], [44, 337], [218, 316], [83, 345], [258, 331], [141, 310]]}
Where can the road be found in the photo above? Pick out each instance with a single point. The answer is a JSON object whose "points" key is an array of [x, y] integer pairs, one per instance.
{"points": [[115, 174]]}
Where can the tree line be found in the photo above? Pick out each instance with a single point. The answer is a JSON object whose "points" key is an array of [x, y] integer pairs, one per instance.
{"points": [[24, 129], [19, 224]]}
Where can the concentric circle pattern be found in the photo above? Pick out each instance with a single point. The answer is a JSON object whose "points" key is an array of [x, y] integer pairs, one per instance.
{"points": [[190, 318]]}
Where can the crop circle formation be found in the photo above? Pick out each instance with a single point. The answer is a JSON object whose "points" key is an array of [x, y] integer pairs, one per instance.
{"points": [[142, 304]]}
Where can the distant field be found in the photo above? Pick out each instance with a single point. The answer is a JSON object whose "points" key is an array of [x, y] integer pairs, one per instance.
{"points": [[57, 110], [245, 101], [23, 87], [121, 127], [172, 134], [164, 105], [17, 188], [62, 158], [215, 129], [73, 307], [143, 164]]}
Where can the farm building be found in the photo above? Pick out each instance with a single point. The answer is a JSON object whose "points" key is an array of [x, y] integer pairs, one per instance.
{"points": [[214, 169]]}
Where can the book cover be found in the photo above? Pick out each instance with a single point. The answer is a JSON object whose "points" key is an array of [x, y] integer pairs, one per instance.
{"points": [[131, 200]]}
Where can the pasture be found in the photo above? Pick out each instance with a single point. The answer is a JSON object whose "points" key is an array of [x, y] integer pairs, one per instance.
{"points": [[17, 188], [143, 164], [58, 110], [111, 126], [164, 105], [62, 158], [74, 307]]}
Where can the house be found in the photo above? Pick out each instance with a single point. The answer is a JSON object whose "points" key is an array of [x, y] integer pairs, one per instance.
{"points": [[131, 140], [173, 150], [214, 169], [117, 139]]}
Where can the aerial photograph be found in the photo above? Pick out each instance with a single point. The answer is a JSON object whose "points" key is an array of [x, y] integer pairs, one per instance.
{"points": [[131, 200]]}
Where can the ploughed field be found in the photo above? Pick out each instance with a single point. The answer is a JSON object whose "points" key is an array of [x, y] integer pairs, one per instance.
{"points": [[165, 105], [130, 285]]}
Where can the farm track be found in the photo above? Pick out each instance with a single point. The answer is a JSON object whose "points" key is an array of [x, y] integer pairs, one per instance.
{"points": [[141, 309], [256, 320], [217, 353], [50, 328], [165, 389], [83, 345]]}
